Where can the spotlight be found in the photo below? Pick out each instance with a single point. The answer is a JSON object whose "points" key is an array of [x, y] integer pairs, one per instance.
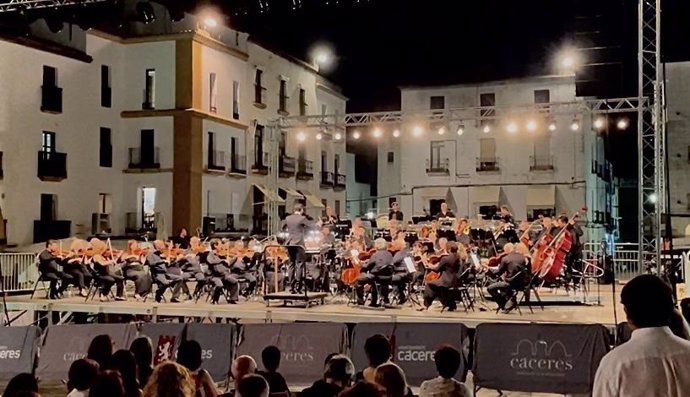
{"points": [[417, 131], [486, 129], [301, 136], [442, 130], [552, 126], [338, 136], [396, 133], [568, 61], [531, 125], [652, 198], [599, 123], [145, 12], [356, 135], [622, 124], [461, 129], [377, 133], [210, 22], [575, 125], [319, 136], [512, 127]]}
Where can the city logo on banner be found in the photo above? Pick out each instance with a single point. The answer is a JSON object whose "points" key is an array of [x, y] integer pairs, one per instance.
{"points": [[540, 357], [165, 349], [295, 349], [8, 353], [76, 348], [410, 353]]}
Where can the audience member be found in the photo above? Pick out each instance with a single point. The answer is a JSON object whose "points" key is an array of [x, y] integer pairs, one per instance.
{"points": [[23, 382], [448, 360], [361, 389], [170, 379], [123, 362], [270, 357], [143, 354], [189, 356], [100, 350], [241, 367], [252, 385], [391, 380], [26, 394], [81, 376], [679, 326], [653, 362], [337, 376], [378, 351], [107, 384]]}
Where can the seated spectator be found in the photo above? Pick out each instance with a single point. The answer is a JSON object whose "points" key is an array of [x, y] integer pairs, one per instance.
{"points": [[189, 356], [123, 362], [337, 376], [100, 350], [170, 379], [26, 394], [107, 384], [143, 354], [378, 351], [654, 362], [679, 326], [391, 380], [20, 383], [252, 385], [241, 367], [270, 357], [448, 360], [80, 377], [361, 389]]}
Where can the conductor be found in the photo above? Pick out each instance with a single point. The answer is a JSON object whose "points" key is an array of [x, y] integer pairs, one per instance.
{"points": [[296, 226]]}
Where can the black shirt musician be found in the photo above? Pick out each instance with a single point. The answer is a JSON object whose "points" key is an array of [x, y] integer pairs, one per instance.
{"points": [[505, 215], [395, 213], [445, 212], [378, 268], [296, 226], [515, 274], [158, 266], [48, 265], [574, 256], [222, 278], [448, 267]]}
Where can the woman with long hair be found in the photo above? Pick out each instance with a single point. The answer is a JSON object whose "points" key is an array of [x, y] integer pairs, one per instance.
{"points": [[170, 379], [123, 362]]}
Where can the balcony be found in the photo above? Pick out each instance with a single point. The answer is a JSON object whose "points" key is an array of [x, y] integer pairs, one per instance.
{"points": [[287, 166], [437, 166], [340, 181], [216, 161], [144, 159], [52, 166], [305, 170], [260, 166], [238, 165], [326, 179], [541, 163], [487, 164], [51, 99], [136, 223], [259, 96]]}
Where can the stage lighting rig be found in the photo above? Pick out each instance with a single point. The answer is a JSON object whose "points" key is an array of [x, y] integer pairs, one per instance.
{"points": [[18, 5]]}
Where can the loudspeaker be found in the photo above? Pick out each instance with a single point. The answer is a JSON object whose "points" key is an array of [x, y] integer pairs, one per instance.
{"points": [[607, 265], [208, 226]]}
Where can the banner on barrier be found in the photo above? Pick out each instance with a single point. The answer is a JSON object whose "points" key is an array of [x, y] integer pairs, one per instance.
{"points": [[17, 350], [64, 344], [413, 346], [304, 346], [165, 337], [217, 346], [538, 358]]}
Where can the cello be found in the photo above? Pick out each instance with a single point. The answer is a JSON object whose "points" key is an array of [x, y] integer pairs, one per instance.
{"points": [[551, 259]]}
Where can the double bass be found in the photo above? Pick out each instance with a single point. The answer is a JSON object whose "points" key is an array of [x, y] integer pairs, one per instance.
{"points": [[549, 260]]}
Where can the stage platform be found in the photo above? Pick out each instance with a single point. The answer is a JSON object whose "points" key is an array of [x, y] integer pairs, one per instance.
{"points": [[335, 309]]}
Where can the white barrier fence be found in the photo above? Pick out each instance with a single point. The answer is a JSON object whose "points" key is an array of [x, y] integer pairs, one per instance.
{"points": [[625, 258], [19, 271]]}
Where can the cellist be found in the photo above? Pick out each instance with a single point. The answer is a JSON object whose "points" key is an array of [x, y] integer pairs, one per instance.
{"points": [[572, 260], [514, 272], [379, 265]]}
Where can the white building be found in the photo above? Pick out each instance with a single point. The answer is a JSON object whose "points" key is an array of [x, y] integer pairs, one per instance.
{"points": [[359, 198], [164, 123], [516, 161]]}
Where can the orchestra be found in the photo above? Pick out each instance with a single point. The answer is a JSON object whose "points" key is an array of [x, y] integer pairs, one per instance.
{"points": [[430, 258]]}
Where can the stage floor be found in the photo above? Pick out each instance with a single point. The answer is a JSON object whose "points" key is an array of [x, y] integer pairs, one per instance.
{"points": [[557, 310]]}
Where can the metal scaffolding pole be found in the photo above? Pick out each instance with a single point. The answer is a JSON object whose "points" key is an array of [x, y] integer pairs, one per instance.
{"points": [[273, 130]]}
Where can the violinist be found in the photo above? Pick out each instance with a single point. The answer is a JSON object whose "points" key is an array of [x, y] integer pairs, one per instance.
{"points": [[331, 217], [401, 275], [395, 213], [514, 272], [182, 239], [242, 266], [106, 271], [221, 274], [445, 212], [448, 266], [360, 233], [158, 266], [76, 265], [48, 261], [378, 268], [505, 216], [132, 259], [190, 264]]}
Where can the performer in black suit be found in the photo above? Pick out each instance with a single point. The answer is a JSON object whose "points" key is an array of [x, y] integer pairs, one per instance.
{"points": [[221, 274], [159, 269], [395, 212], [296, 226], [514, 272], [48, 265], [445, 212], [379, 266], [448, 266]]}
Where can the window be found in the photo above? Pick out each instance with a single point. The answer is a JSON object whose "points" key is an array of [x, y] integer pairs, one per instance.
{"points": [[542, 97], [282, 143], [48, 207], [487, 149], [106, 92], [49, 76], [324, 161], [213, 100], [391, 157], [324, 202], [258, 144], [688, 154], [236, 100], [105, 204], [150, 89], [435, 162], [302, 102], [336, 164], [211, 148], [258, 87], [51, 94], [541, 160], [302, 152], [105, 150], [48, 140], [337, 208], [488, 103], [437, 103], [687, 198], [282, 97]]}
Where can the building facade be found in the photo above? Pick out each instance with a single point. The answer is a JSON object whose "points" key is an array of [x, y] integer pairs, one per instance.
{"points": [[103, 133], [534, 162]]}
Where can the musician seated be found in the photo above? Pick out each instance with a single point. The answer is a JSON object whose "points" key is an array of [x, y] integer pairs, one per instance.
{"points": [[445, 212], [401, 275], [242, 268], [191, 263], [76, 265], [515, 274], [448, 267], [395, 213], [131, 261], [378, 268], [158, 266], [220, 268], [48, 265], [106, 272]]}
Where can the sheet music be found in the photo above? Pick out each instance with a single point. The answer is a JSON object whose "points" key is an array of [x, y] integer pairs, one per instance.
{"points": [[409, 264]]}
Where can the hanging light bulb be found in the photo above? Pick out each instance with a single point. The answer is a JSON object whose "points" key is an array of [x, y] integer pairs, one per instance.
{"points": [[442, 130], [461, 129], [531, 125], [599, 123], [356, 135], [301, 136], [377, 133], [486, 129], [575, 125], [552, 126], [396, 133], [338, 136], [319, 136]]}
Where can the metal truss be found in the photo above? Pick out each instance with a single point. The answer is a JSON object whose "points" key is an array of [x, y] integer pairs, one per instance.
{"points": [[651, 134], [19, 5]]}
